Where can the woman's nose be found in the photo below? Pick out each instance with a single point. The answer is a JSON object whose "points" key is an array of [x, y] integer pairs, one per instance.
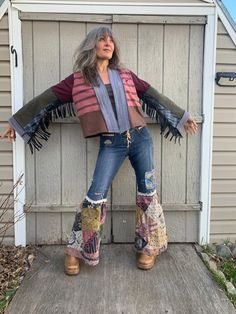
{"points": [[108, 41]]}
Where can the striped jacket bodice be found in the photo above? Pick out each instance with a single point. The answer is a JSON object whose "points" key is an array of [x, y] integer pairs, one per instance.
{"points": [[88, 108]]}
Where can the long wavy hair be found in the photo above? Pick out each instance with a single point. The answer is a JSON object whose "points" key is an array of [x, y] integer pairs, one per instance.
{"points": [[86, 58]]}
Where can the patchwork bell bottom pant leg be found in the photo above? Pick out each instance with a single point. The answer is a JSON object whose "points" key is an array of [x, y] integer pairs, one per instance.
{"points": [[150, 230]]}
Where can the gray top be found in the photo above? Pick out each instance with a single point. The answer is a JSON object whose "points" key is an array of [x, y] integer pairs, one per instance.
{"points": [[111, 96]]}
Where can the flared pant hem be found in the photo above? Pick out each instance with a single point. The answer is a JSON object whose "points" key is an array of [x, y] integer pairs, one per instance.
{"points": [[79, 254], [150, 229], [151, 252]]}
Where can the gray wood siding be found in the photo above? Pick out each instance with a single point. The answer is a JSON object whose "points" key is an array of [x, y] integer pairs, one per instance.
{"points": [[59, 175], [223, 213], [6, 162]]}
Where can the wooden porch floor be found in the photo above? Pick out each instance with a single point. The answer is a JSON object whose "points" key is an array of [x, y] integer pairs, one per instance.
{"points": [[178, 283]]}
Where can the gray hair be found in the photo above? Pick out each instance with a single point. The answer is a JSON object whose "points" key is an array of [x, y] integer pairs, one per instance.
{"points": [[86, 58]]}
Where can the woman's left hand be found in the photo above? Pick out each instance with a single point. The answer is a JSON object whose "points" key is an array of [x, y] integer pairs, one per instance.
{"points": [[190, 126]]}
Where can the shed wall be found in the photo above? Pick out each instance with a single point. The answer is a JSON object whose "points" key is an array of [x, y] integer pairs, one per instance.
{"points": [[223, 209], [223, 213], [6, 161]]}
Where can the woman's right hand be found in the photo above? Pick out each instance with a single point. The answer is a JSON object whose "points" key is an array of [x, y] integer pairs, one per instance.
{"points": [[10, 133]]}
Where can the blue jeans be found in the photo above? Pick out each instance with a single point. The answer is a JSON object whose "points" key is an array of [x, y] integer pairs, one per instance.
{"points": [[114, 148], [150, 229]]}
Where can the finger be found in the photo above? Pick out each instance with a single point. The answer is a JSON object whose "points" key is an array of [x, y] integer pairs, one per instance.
{"points": [[194, 126], [194, 130]]}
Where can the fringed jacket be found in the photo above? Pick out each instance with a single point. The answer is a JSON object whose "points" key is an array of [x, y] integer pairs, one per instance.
{"points": [[32, 121]]}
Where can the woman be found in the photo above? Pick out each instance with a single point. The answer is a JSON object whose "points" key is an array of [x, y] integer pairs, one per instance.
{"points": [[107, 99]]}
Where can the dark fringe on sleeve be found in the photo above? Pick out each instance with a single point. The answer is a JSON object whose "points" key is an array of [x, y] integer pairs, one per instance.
{"points": [[39, 125], [161, 115]]}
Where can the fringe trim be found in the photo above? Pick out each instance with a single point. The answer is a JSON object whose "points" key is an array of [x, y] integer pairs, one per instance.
{"points": [[154, 114], [50, 114]]}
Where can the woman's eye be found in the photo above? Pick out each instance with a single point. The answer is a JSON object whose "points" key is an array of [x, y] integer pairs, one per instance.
{"points": [[103, 38]]}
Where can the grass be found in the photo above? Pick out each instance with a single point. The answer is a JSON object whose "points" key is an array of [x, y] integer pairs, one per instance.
{"points": [[7, 296], [225, 264]]}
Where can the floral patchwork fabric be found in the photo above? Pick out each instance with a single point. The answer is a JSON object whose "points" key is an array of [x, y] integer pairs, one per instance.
{"points": [[85, 237], [150, 232]]}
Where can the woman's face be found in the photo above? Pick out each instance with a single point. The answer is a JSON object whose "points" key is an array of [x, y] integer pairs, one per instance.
{"points": [[105, 47]]}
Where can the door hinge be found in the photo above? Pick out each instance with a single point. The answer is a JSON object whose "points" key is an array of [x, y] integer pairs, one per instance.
{"points": [[201, 205], [203, 117]]}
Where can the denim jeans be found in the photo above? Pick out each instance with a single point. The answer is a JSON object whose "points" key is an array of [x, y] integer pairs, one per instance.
{"points": [[114, 148], [150, 230]]}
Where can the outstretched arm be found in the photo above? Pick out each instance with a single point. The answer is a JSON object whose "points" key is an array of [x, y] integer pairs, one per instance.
{"points": [[185, 120], [163, 109], [32, 120]]}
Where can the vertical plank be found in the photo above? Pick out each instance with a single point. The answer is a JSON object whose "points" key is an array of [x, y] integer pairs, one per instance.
{"points": [[73, 150], [176, 56], [48, 228], [124, 185], [150, 48], [90, 26], [152, 72], [191, 226], [46, 55], [126, 35], [67, 223], [175, 226], [46, 73], [124, 226], [27, 43], [71, 34], [48, 169], [30, 228], [194, 107]]}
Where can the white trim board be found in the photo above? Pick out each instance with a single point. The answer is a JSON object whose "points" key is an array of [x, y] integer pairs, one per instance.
{"points": [[207, 127], [116, 8], [208, 86], [206, 3], [18, 145]]}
